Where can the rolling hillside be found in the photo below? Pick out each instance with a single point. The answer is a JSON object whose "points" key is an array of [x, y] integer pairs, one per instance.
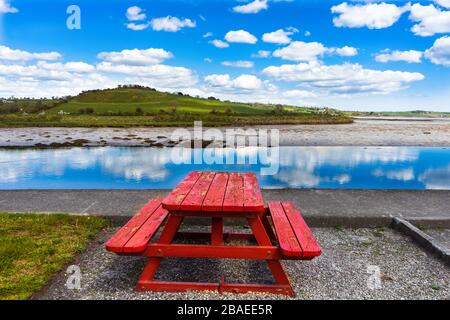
{"points": [[125, 100], [128, 106]]}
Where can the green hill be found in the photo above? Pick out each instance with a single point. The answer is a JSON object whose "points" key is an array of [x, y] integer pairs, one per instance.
{"points": [[126, 100], [130, 106]]}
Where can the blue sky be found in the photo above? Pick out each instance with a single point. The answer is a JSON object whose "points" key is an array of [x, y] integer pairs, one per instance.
{"points": [[356, 55]]}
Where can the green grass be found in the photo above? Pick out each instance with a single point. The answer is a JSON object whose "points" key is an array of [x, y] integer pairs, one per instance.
{"points": [[34, 247]]}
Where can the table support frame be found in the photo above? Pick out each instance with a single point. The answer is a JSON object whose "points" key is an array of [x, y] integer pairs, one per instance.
{"points": [[264, 250]]}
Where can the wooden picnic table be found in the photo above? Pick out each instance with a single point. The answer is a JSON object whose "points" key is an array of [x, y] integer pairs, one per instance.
{"points": [[218, 196]]}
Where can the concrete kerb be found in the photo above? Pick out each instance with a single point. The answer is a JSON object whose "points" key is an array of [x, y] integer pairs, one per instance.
{"points": [[422, 239]]}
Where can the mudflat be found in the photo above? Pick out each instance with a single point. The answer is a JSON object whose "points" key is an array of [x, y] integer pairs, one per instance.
{"points": [[363, 132]]}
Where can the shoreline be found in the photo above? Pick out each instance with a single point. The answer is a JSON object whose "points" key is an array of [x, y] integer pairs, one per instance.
{"points": [[363, 132]]}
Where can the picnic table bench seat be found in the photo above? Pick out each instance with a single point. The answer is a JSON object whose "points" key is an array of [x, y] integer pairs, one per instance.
{"points": [[136, 234], [294, 236]]}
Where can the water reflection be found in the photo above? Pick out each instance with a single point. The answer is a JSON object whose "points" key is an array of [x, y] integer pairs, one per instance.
{"points": [[299, 167]]}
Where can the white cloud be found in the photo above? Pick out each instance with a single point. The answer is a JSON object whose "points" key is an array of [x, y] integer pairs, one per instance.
{"points": [[410, 56], [279, 36], [439, 53], [299, 94], [137, 57], [307, 33], [135, 14], [431, 20], [240, 36], [443, 3], [346, 51], [7, 53], [262, 54], [5, 7], [137, 26], [301, 51], [245, 81], [171, 24], [343, 79], [371, 15], [209, 60], [238, 64], [252, 7], [208, 35], [219, 44], [24, 78]]}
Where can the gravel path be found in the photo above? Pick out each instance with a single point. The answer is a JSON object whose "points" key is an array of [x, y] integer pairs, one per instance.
{"points": [[344, 271], [359, 133]]}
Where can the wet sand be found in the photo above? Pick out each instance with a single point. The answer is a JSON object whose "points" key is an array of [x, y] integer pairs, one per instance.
{"points": [[363, 132]]}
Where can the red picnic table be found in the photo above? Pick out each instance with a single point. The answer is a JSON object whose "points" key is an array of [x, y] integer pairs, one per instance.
{"points": [[217, 195]]}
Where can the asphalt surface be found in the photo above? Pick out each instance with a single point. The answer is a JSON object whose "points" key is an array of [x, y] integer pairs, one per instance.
{"points": [[319, 207]]}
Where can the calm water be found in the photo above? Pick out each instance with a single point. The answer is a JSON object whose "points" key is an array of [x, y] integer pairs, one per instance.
{"points": [[299, 167]]}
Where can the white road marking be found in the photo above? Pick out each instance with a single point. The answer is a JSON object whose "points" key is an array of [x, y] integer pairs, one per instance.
{"points": [[92, 204]]}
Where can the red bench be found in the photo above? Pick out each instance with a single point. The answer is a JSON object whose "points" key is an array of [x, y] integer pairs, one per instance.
{"points": [[137, 233], [294, 237]]}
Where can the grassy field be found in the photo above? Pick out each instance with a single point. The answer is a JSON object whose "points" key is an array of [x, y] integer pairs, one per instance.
{"points": [[34, 247], [138, 106]]}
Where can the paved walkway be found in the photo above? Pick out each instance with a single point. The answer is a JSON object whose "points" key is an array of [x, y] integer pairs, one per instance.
{"points": [[362, 207]]}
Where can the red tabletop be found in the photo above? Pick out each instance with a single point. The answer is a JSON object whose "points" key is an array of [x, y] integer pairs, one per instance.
{"points": [[216, 192]]}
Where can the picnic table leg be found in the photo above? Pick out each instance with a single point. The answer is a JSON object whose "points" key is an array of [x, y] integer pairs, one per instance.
{"points": [[263, 239], [167, 236], [217, 232]]}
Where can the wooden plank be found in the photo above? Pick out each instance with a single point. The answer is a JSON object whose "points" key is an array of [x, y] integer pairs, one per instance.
{"points": [[194, 200], [234, 195], [214, 199], [253, 200], [176, 197], [309, 245], [288, 241], [118, 241], [140, 240]]}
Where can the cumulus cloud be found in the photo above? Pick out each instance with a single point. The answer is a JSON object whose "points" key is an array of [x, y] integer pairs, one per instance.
{"points": [[410, 56], [252, 7], [25, 78], [240, 36], [431, 20], [219, 44], [443, 3], [5, 7], [371, 15], [439, 53], [238, 64], [208, 35], [301, 51], [137, 26], [279, 36], [7, 53], [171, 24], [343, 79], [136, 56], [299, 94], [245, 81], [135, 14], [346, 51], [262, 54]]}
